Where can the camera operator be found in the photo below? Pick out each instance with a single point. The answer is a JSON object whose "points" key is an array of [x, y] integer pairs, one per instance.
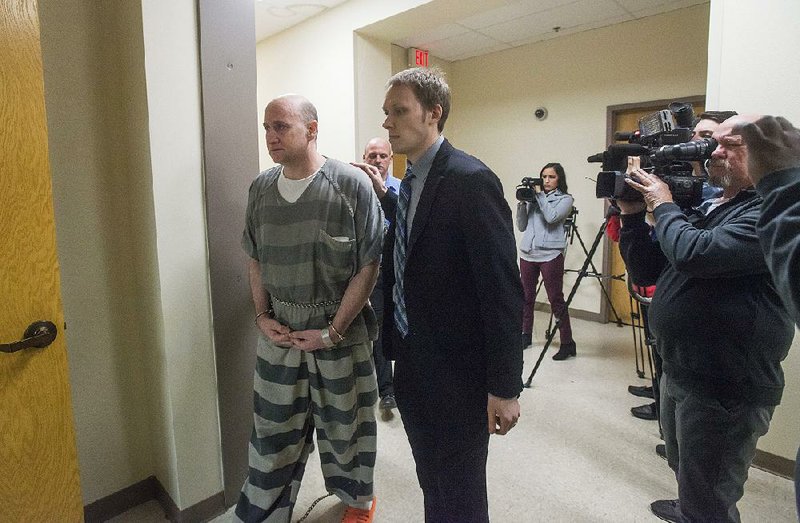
{"points": [[774, 168], [720, 329], [542, 250], [704, 127]]}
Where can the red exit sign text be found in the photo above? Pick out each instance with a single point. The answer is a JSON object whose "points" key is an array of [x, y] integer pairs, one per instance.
{"points": [[421, 58]]}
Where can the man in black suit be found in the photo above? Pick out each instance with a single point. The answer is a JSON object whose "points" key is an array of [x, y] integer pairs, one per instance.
{"points": [[453, 302]]}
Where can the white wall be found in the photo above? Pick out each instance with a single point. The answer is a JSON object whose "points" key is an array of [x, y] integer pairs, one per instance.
{"points": [[124, 140], [97, 123], [175, 121], [753, 68], [575, 77], [373, 67]]}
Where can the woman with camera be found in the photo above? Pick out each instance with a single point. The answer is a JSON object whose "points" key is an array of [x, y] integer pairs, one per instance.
{"points": [[542, 251]]}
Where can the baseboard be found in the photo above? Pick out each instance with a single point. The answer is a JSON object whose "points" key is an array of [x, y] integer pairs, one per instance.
{"points": [[777, 465], [152, 489], [121, 501]]}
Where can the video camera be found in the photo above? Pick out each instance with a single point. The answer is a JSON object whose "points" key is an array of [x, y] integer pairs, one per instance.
{"points": [[525, 189], [663, 144]]}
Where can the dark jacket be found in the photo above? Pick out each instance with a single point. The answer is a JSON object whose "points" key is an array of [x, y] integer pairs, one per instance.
{"points": [[717, 319], [389, 206], [462, 287], [779, 233]]}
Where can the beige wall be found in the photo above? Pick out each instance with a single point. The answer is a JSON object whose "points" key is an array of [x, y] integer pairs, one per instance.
{"points": [[753, 68], [124, 148], [575, 77]]}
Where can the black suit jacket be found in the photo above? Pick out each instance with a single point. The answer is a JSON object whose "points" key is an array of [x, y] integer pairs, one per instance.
{"points": [[462, 287]]}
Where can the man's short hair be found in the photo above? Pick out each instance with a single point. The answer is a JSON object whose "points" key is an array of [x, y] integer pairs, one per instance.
{"points": [[429, 87], [716, 116], [308, 112]]}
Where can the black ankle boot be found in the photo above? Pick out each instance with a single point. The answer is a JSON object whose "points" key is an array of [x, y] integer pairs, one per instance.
{"points": [[565, 351]]}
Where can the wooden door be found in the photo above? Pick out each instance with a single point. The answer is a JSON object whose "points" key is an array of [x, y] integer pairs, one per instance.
{"points": [[628, 120], [38, 459]]}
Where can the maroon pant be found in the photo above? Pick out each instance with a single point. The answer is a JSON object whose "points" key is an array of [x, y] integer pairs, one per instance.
{"points": [[553, 276]]}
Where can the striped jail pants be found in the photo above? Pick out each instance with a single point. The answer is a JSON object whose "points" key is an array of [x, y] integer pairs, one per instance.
{"points": [[332, 391]]}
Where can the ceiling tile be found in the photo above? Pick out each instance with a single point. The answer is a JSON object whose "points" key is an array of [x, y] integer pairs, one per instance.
{"points": [[440, 32], [567, 16], [464, 45], [510, 12]]}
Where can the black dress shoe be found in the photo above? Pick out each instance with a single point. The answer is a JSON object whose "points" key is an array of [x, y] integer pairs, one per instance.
{"points": [[643, 392], [667, 509], [647, 412], [387, 402], [527, 339], [661, 451]]}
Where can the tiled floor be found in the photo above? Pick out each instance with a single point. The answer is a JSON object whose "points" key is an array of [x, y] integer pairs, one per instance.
{"points": [[577, 455]]}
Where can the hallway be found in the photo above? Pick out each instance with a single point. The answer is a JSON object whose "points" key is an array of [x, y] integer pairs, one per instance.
{"points": [[577, 454]]}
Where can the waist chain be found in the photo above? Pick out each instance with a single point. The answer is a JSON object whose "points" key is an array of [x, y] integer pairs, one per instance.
{"points": [[305, 305]]}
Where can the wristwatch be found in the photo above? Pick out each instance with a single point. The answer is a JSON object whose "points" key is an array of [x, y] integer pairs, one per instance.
{"points": [[326, 338]]}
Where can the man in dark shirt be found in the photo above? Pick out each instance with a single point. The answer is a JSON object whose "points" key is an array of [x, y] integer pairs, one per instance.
{"points": [[720, 328]]}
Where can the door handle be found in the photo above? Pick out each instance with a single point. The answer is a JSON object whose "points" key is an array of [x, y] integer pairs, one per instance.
{"points": [[39, 334]]}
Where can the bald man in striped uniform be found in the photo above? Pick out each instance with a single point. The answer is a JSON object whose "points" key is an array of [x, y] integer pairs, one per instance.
{"points": [[314, 233]]}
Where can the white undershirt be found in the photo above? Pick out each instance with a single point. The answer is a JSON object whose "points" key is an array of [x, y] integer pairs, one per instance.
{"points": [[716, 202], [290, 190]]}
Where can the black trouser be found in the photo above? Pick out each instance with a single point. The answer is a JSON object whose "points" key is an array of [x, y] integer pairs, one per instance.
{"points": [[450, 445], [710, 445], [383, 367]]}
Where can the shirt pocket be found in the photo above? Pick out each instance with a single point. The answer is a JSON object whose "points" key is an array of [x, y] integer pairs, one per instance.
{"points": [[335, 256]]}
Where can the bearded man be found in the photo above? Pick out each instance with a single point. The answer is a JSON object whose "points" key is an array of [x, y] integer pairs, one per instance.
{"points": [[719, 326]]}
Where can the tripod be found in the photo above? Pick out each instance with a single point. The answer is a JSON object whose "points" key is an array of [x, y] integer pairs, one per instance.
{"points": [[583, 272], [572, 231]]}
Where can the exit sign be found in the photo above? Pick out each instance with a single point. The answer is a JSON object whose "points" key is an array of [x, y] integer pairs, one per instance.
{"points": [[417, 57]]}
